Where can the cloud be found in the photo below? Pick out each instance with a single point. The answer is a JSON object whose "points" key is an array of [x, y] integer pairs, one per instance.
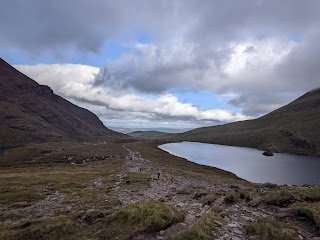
{"points": [[77, 83], [263, 53], [39, 26]]}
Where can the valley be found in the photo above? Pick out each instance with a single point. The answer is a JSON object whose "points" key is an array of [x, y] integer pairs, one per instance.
{"points": [[106, 191]]}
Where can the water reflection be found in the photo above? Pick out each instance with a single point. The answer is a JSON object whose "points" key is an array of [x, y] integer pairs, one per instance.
{"points": [[250, 164]]}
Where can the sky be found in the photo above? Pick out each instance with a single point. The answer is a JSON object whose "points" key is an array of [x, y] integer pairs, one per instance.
{"points": [[167, 63]]}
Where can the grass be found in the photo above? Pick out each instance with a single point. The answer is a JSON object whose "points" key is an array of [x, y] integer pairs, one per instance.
{"points": [[150, 216], [59, 228], [232, 197], [204, 228], [200, 194], [309, 212], [308, 194], [279, 198], [136, 179], [210, 199], [270, 229], [179, 166]]}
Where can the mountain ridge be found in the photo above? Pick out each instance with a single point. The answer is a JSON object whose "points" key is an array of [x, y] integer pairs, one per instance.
{"points": [[32, 113], [293, 128]]}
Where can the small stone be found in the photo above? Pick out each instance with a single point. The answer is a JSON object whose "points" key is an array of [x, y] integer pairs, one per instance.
{"points": [[300, 237], [233, 225], [160, 237], [255, 202], [180, 204], [237, 231], [161, 232], [248, 219]]}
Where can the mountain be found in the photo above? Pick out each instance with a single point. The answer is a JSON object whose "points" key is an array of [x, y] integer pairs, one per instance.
{"points": [[32, 113], [294, 128], [147, 134]]}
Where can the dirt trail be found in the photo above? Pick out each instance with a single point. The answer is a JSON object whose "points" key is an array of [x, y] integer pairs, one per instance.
{"points": [[166, 188]]}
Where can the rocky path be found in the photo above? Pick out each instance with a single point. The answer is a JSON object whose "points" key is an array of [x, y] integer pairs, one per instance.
{"points": [[166, 188]]}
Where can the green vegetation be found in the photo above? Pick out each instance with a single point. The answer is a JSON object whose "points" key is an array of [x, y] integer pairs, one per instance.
{"points": [[148, 134], [270, 229], [150, 216], [136, 179], [308, 211], [279, 198], [204, 228], [231, 197], [210, 199], [200, 194], [275, 131], [59, 228]]}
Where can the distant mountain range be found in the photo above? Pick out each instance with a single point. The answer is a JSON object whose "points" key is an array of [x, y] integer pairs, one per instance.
{"points": [[294, 128], [147, 134], [32, 113]]}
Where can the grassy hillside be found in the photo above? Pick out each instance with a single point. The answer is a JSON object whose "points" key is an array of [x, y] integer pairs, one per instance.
{"points": [[147, 134], [32, 113], [294, 128]]}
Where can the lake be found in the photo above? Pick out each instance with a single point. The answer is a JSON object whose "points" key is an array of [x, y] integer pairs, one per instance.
{"points": [[249, 163]]}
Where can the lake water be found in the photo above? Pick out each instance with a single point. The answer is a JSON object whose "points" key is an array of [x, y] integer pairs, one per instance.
{"points": [[249, 163]]}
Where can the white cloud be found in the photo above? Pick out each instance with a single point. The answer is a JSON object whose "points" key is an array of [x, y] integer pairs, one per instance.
{"points": [[76, 82]]}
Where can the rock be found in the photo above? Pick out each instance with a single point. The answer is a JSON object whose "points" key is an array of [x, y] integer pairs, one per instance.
{"points": [[92, 216], [267, 153], [300, 237], [233, 225], [237, 231], [161, 232], [235, 238], [180, 204], [289, 231], [283, 214], [255, 202], [248, 219], [190, 218], [196, 205], [160, 237]]}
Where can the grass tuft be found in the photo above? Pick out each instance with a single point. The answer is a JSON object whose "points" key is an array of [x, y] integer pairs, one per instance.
{"points": [[204, 229], [270, 229], [150, 216]]}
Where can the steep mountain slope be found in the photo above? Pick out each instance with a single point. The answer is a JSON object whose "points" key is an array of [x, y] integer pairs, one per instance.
{"points": [[30, 112], [294, 128]]}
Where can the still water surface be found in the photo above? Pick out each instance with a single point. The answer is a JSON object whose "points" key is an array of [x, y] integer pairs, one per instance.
{"points": [[250, 164]]}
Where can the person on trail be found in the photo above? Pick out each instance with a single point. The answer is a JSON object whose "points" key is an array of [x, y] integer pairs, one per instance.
{"points": [[158, 175]]}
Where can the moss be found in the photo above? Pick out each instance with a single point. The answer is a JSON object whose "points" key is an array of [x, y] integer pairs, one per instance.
{"points": [[270, 229], [150, 216], [204, 228]]}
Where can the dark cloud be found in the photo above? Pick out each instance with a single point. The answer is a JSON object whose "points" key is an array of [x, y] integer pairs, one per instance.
{"points": [[264, 53]]}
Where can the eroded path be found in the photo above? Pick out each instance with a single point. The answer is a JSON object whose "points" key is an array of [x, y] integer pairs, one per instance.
{"points": [[178, 191]]}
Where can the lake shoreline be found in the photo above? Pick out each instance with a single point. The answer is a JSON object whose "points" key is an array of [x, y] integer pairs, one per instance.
{"points": [[280, 166]]}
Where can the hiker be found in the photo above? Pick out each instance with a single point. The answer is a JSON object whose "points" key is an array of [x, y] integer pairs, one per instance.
{"points": [[158, 175]]}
